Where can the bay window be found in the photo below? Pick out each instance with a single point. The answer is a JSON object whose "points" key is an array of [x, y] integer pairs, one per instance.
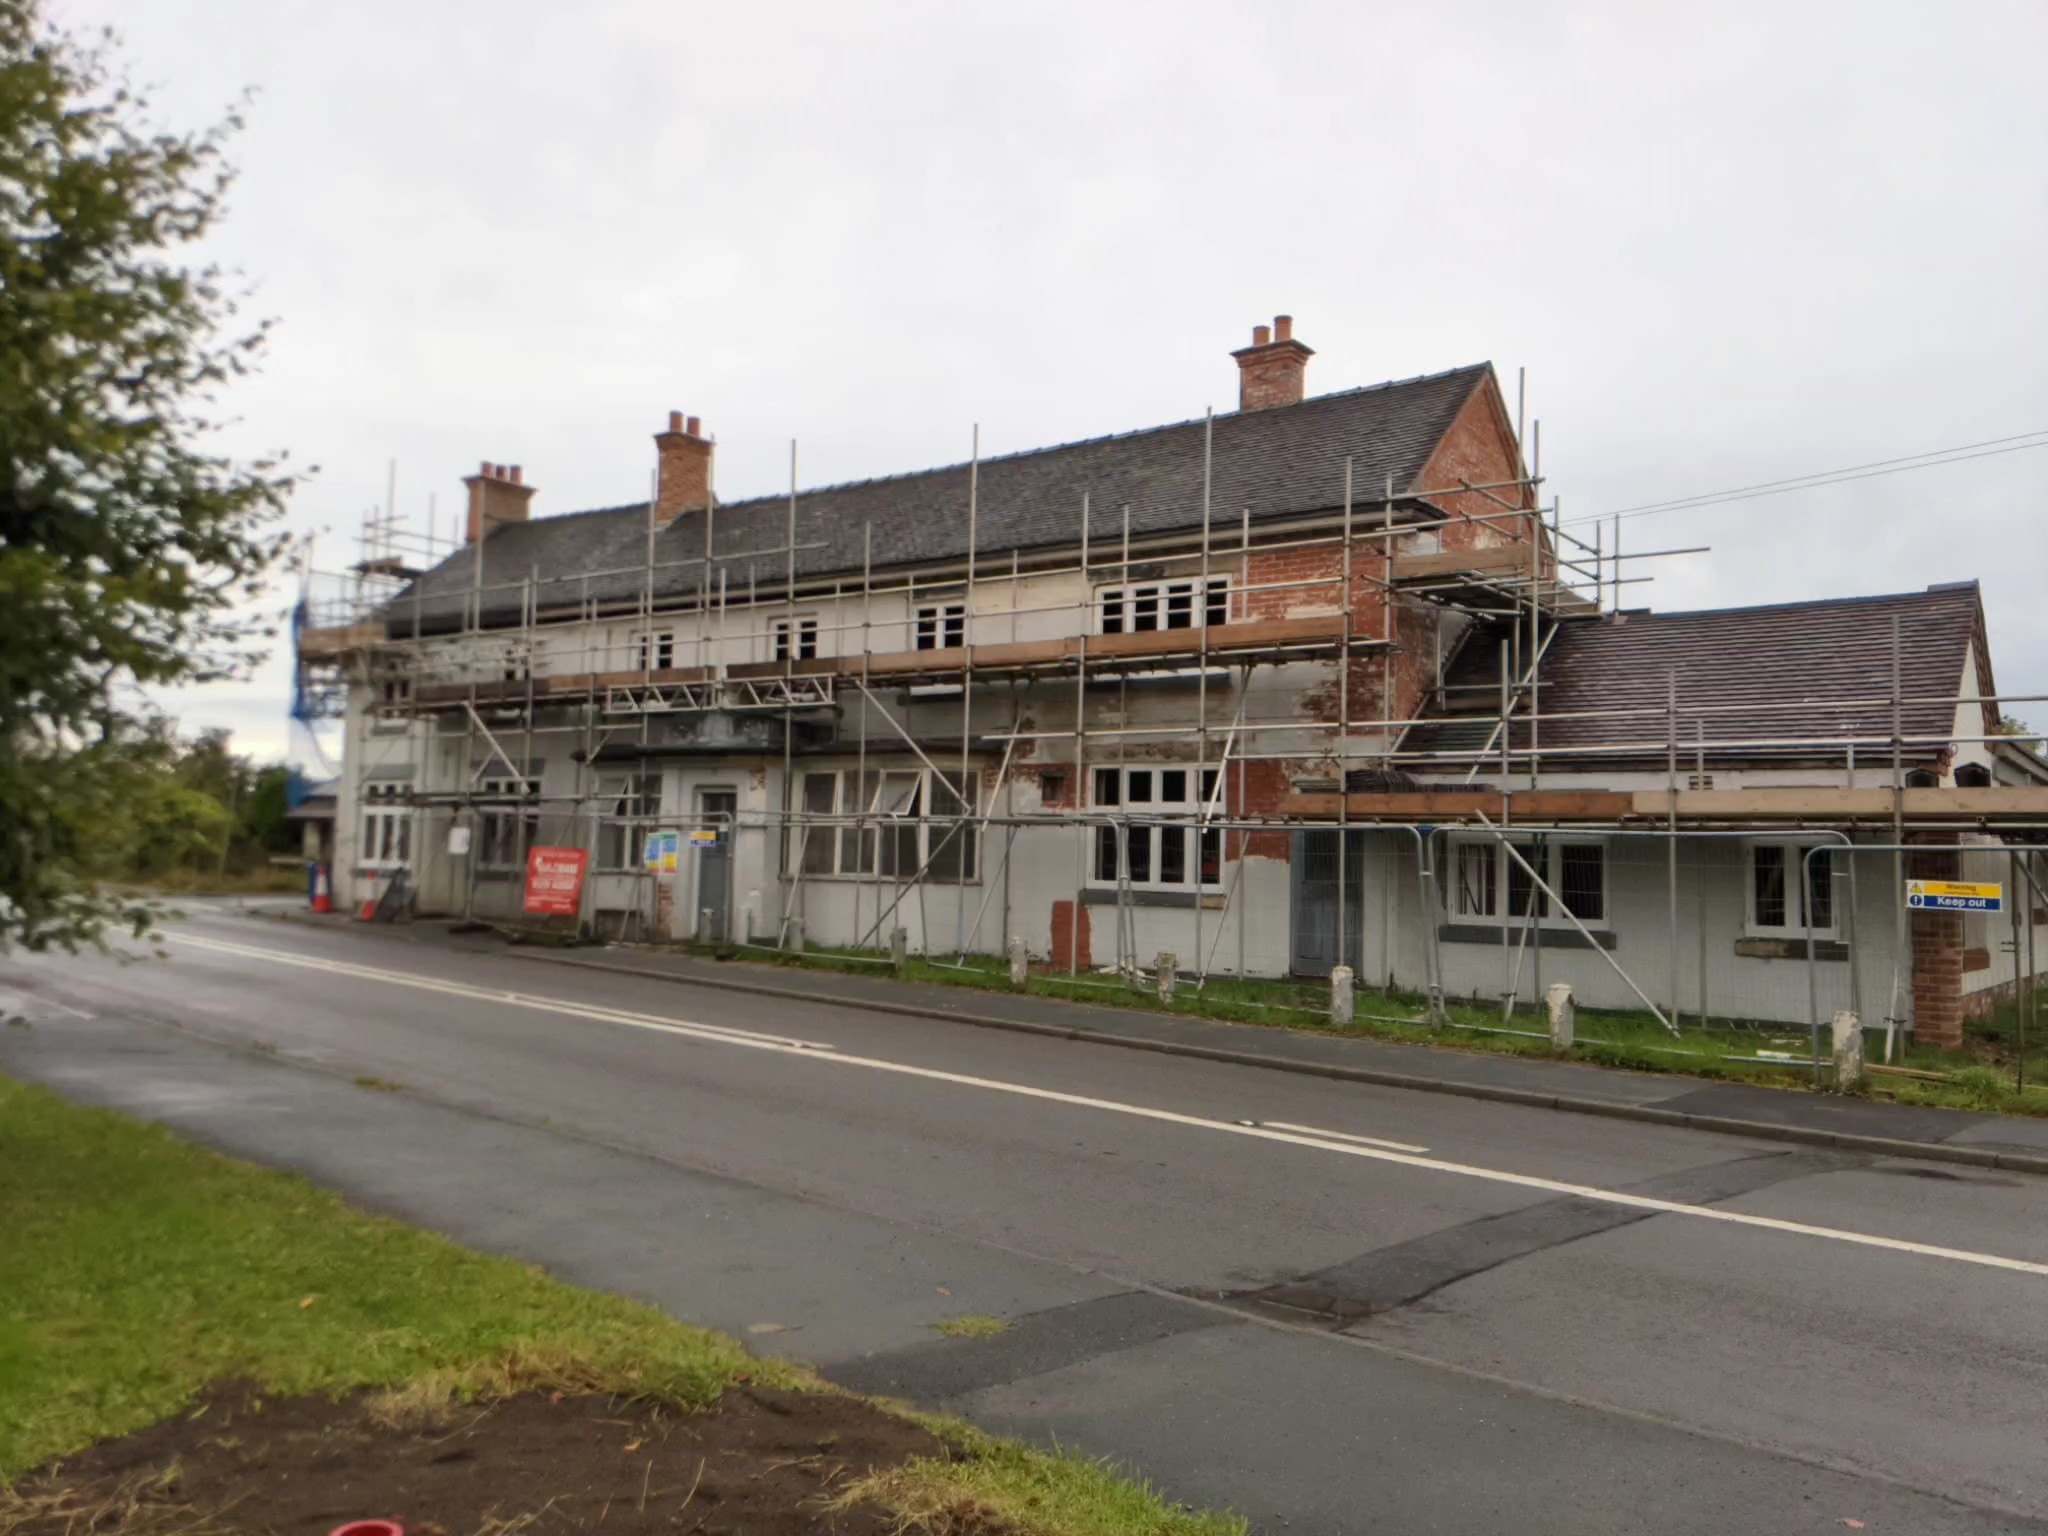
{"points": [[913, 818], [1488, 883], [505, 832], [1166, 854]]}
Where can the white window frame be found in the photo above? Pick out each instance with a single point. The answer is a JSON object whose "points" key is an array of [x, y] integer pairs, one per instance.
{"points": [[806, 627], [656, 649], [499, 824], [387, 825], [895, 793], [1794, 891], [1139, 857], [940, 627], [515, 662], [1119, 609], [1481, 876], [628, 808]]}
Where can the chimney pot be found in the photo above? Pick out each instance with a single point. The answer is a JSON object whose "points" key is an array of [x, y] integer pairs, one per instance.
{"points": [[694, 427], [675, 421], [484, 468], [515, 475], [498, 494], [1273, 370]]}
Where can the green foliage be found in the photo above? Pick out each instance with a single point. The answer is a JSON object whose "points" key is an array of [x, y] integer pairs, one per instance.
{"points": [[126, 541], [2013, 725]]}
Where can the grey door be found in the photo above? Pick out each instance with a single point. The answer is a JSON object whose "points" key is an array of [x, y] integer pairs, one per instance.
{"points": [[1315, 946], [716, 809]]}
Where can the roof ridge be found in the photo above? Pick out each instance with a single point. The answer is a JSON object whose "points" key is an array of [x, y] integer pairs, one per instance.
{"points": [[1938, 589], [1116, 437]]}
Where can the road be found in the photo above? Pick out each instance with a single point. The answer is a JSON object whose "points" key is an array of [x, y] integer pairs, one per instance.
{"points": [[1330, 1306]]}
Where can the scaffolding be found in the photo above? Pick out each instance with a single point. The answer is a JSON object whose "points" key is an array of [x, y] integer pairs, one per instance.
{"points": [[498, 671]]}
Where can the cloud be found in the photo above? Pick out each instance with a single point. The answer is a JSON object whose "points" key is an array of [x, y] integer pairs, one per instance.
{"points": [[1729, 245]]}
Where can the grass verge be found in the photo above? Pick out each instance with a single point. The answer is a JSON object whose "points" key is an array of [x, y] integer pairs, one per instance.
{"points": [[1992, 1075], [136, 1269]]}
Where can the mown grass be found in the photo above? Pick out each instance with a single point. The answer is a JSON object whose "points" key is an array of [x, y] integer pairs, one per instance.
{"points": [[137, 1268], [1985, 1077]]}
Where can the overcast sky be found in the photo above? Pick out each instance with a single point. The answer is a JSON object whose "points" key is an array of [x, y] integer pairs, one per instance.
{"points": [[1730, 244]]}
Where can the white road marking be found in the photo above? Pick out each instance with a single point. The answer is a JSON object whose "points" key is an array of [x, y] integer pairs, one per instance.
{"points": [[1316, 1130], [30, 1001], [827, 1055]]}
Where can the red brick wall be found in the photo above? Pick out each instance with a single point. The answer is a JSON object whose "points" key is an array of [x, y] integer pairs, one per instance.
{"points": [[1064, 938], [1937, 939]]}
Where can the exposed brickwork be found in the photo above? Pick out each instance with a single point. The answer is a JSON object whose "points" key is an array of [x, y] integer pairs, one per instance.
{"points": [[498, 494], [1937, 939], [1064, 938], [1273, 370], [683, 483], [1976, 960]]}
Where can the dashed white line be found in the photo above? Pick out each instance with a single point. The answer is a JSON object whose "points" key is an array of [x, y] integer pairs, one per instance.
{"points": [[1321, 1141]]}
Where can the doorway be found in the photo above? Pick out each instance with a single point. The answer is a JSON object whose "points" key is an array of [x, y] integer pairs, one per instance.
{"points": [[1315, 948], [717, 809]]}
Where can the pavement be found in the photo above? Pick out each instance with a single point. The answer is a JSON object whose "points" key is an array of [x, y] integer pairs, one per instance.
{"points": [[1333, 1305]]}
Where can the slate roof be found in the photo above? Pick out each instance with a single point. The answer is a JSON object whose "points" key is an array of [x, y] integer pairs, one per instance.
{"points": [[1811, 653], [1276, 462]]}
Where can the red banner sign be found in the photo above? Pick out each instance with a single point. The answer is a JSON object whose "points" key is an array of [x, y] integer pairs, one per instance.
{"points": [[554, 881]]}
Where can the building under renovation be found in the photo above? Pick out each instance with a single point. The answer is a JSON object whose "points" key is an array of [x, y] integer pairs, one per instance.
{"points": [[1319, 682]]}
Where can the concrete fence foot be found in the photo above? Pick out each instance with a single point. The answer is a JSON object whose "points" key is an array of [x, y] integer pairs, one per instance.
{"points": [[1564, 1014], [1020, 963], [1852, 1073], [1168, 967], [899, 951], [1343, 1001]]}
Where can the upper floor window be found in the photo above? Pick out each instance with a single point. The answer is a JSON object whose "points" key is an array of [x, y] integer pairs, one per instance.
{"points": [[1171, 853], [517, 663], [1786, 887], [1484, 875], [657, 650], [941, 625], [796, 639], [1154, 605]]}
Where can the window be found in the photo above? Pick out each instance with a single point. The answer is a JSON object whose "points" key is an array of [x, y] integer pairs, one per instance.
{"points": [[806, 630], [517, 663], [1576, 870], [629, 806], [1052, 788], [1156, 845], [657, 650], [1164, 605], [912, 817], [505, 832], [1778, 873], [387, 825], [941, 625], [394, 694]]}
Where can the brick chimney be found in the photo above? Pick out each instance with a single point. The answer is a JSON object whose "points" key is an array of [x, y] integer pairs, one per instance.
{"points": [[498, 494], [1272, 370], [684, 480]]}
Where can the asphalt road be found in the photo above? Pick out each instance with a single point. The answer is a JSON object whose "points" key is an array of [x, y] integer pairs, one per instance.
{"points": [[1331, 1306]]}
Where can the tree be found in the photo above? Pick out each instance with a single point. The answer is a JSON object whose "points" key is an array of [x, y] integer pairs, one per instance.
{"points": [[2013, 725], [127, 539]]}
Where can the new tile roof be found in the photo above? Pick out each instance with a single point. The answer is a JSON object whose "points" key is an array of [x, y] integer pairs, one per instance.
{"points": [[1276, 462], [1730, 661]]}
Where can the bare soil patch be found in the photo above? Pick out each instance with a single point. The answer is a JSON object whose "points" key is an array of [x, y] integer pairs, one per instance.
{"points": [[759, 1463]]}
